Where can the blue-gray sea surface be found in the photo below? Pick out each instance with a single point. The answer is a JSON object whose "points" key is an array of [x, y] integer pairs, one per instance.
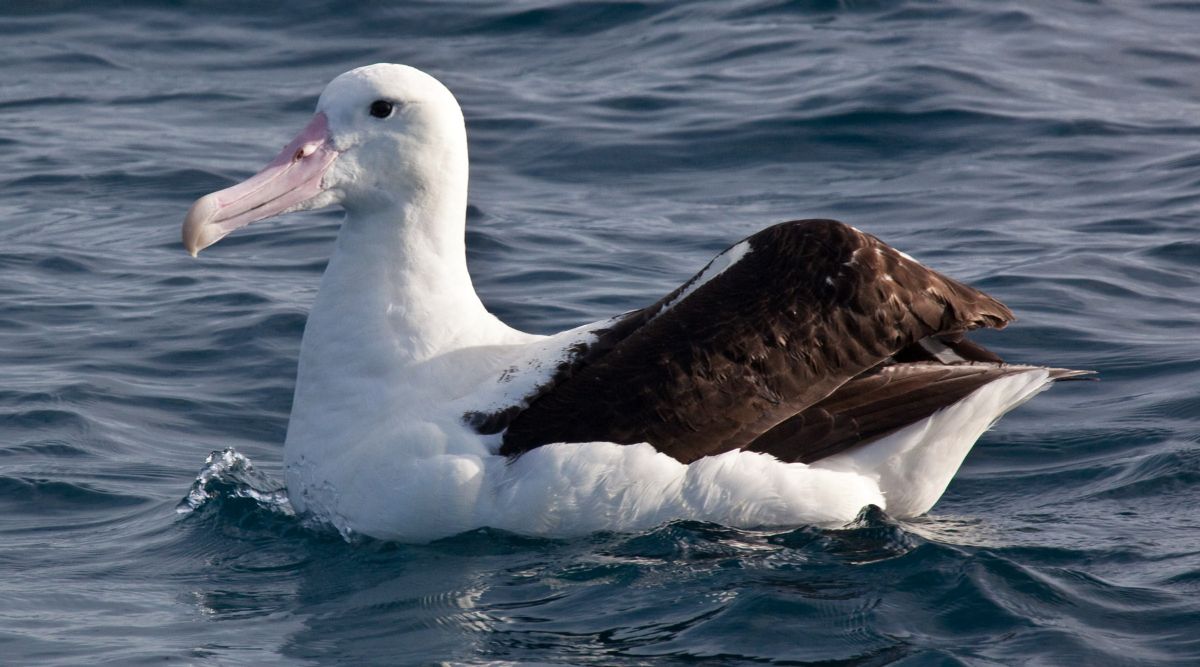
{"points": [[1047, 152]]}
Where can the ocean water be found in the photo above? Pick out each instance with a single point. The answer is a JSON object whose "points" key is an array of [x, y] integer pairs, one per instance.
{"points": [[1048, 153]]}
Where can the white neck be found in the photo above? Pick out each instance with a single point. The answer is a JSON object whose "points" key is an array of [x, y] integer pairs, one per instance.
{"points": [[396, 294], [405, 280], [397, 341], [397, 333]]}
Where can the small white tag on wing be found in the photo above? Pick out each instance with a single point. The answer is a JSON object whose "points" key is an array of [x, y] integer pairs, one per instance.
{"points": [[719, 264], [940, 351]]}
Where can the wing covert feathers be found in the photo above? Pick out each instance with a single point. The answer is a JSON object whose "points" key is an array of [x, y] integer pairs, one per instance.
{"points": [[790, 324]]}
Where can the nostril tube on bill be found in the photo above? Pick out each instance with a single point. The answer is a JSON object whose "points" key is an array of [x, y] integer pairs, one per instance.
{"points": [[303, 152]]}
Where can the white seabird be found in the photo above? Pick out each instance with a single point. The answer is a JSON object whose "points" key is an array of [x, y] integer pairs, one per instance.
{"points": [[806, 372]]}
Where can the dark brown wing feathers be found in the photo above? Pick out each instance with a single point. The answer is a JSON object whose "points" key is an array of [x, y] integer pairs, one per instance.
{"points": [[813, 305], [876, 404]]}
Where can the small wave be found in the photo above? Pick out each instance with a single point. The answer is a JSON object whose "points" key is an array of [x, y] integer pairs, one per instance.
{"points": [[578, 19], [41, 495], [41, 419], [873, 536], [1159, 475], [228, 474]]}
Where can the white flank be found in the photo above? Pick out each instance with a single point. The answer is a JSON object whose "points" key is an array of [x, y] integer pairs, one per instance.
{"points": [[573, 489], [914, 465]]}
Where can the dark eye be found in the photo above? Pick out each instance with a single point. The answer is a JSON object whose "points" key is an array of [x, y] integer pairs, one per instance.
{"points": [[382, 108]]}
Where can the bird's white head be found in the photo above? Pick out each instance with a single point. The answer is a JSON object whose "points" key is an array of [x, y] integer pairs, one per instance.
{"points": [[383, 135]]}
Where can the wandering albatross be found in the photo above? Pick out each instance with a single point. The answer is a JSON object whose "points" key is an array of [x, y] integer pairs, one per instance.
{"points": [[806, 372]]}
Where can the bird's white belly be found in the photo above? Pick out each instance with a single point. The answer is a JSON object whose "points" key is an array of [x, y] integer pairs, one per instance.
{"points": [[565, 490]]}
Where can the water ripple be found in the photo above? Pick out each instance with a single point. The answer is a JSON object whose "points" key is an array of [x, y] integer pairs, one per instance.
{"points": [[1046, 153]]}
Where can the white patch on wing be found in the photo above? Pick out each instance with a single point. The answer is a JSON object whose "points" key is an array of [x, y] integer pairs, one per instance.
{"points": [[940, 350], [537, 364], [853, 261], [716, 267]]}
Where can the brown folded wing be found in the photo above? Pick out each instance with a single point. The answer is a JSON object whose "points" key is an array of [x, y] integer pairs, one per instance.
{"points": [[813, 315]]}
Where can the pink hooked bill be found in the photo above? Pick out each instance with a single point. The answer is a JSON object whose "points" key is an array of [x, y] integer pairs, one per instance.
{"points": [[290, 179]]}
